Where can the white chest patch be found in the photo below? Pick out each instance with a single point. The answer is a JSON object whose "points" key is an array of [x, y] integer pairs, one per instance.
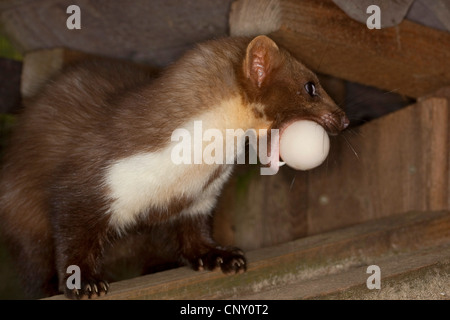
{"points": [[151, 181]]}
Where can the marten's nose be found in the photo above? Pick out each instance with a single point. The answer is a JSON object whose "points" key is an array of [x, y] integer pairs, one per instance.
{"points": [[334, 123]]}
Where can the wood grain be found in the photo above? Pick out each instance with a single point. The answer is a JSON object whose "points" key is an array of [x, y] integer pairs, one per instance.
{"points": [[409, 59], [422, 274]]}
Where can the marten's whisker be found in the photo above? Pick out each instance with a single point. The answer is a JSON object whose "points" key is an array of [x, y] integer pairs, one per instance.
{"points": [[292, 182], [351, 147]]}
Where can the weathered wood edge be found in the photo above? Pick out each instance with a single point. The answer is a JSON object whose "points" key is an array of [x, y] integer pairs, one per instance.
{"points": [[405, 270]]}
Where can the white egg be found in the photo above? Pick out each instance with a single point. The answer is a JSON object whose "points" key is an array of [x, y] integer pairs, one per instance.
{"points": [[304, 145]]}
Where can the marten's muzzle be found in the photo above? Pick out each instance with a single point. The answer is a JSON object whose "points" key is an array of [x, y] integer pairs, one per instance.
{"points": [[333, 122]]}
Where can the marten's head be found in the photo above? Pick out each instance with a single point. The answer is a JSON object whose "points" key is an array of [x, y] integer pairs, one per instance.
{"points": [[287, 90]]}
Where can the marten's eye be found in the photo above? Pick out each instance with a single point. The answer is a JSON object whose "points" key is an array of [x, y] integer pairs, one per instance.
{"points": [[311, 89]]}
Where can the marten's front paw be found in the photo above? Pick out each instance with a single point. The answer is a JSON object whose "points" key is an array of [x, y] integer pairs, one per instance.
{"points": [[89, 289], [229, 260]]}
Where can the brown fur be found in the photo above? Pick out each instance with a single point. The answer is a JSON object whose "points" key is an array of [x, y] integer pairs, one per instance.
{"points": [[53, 204]]}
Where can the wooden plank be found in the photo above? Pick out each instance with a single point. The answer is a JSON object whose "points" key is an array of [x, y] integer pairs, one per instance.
{"points": [[427, 280], [423, 274], [409, 59], [299, 260], [402, 164], [157, 31]]}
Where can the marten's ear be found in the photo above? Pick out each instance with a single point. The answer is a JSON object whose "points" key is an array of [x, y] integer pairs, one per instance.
{"points": [[261, 57]]}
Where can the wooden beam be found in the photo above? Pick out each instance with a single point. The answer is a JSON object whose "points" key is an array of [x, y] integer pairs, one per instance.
{"points": [[409, 59], [301, 260], [422, 274]]}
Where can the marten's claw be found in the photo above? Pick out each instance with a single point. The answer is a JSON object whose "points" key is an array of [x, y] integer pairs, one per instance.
{"points": [[88, 290], [229, 260]]}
